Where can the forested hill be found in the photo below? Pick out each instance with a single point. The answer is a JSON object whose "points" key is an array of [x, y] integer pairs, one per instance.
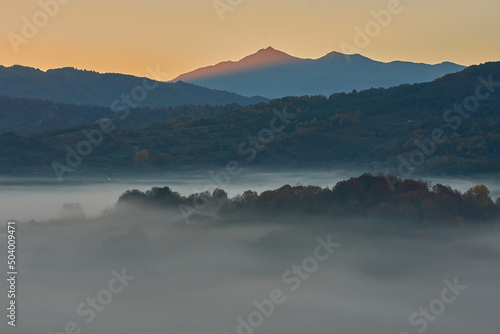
{"points": [[72, 86], [370, 196], [30, 116], [372, 128]]}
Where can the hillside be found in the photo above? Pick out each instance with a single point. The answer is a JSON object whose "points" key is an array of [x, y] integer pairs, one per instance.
{"points": [[30, 116], [368, 129], [72, 86]]}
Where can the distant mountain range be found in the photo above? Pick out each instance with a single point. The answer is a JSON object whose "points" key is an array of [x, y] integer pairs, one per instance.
{"points": [[267, 74], [274, 74], [72, 86]]}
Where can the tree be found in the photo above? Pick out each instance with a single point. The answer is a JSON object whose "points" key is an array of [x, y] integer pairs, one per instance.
{"points": [[480, 195], [140, 157], [132, 196], [71, 211], [249, 199], [478, 204], [219, 194]]}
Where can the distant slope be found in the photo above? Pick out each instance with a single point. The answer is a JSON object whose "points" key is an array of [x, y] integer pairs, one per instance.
{"points": [[273, 74], [68, 85], [29, 116], [365, 130]]}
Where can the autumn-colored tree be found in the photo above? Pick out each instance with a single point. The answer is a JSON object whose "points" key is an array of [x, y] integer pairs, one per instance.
{"points": [[249, 199], [219, 194], [480, 195], [140, 157], [478, 204]]}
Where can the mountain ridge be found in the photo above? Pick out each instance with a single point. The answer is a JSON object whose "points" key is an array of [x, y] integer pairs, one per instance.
{"points": [[261, 59], [276, 74], [83, 87]]}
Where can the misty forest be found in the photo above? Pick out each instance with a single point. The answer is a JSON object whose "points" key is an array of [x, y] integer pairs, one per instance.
{"points": [[164, 170]]}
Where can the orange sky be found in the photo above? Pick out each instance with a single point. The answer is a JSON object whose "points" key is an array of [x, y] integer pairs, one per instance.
{"points": [[127, 36]]}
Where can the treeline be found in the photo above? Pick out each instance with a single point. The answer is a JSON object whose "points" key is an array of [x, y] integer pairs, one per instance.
{"points": [[381, 196]]}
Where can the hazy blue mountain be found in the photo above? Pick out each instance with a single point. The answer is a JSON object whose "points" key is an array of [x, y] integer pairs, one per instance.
{"points": [[69, 85], [273, 74]]}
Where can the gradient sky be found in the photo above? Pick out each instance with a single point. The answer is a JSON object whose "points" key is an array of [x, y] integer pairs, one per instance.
{"points": [[126, 36]]}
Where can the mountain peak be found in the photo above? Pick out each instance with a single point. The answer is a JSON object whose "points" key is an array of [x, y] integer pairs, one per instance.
{"points": [[263, 58], [266, 57], [334, 55], [269, 50]]}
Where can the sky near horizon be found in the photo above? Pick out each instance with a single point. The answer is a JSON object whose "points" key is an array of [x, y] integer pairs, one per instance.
{"points": [[127, 36]]}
